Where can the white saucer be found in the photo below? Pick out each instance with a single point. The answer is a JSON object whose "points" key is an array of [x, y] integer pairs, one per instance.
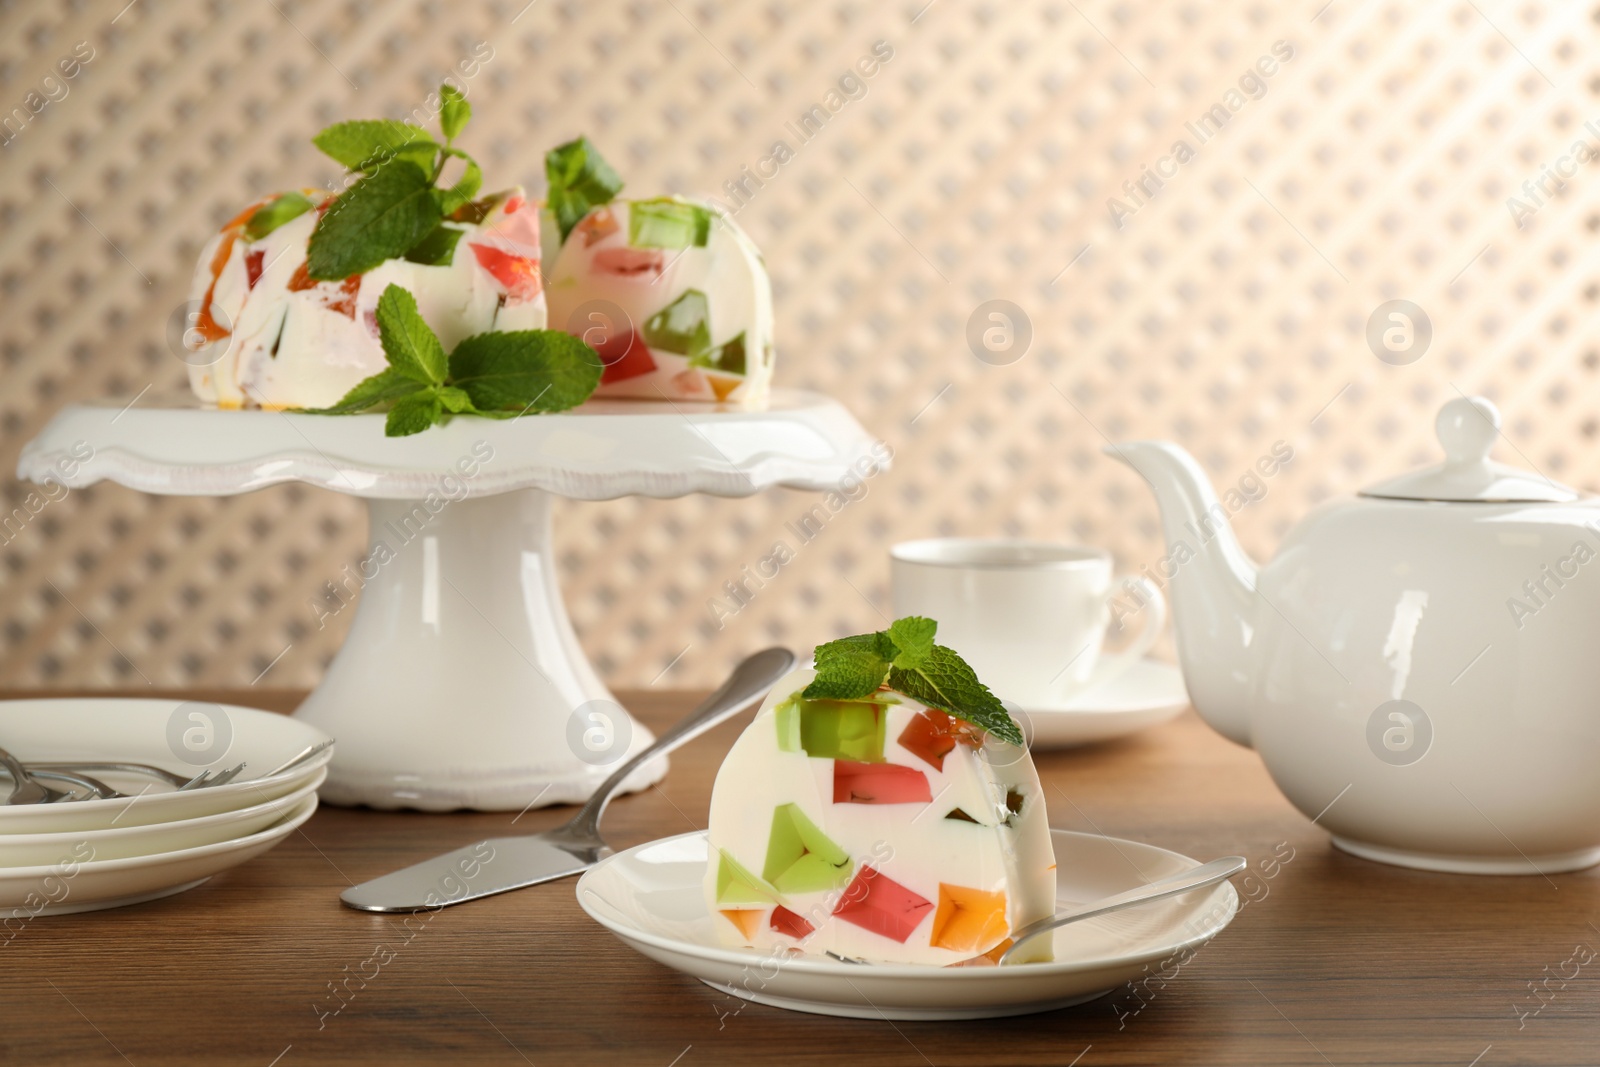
{"points": [[651, 897], [137, 731], [73, 885], [1147, 693]]}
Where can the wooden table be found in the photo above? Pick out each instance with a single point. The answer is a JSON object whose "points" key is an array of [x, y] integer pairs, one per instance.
{"points": [[1332, 960]]}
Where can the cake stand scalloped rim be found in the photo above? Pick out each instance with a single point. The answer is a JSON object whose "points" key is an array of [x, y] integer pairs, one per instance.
{"points": [[651, 449]]}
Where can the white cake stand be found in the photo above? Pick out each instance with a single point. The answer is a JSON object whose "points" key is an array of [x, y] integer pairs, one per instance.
{"points": [[461, 683]]}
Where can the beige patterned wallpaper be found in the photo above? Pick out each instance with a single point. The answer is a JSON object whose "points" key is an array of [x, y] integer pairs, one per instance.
{"points": [[1194, 209]]}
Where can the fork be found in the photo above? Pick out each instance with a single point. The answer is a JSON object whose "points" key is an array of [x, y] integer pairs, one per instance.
{"points": [[195, 782], [26, 789], [206, 779]]}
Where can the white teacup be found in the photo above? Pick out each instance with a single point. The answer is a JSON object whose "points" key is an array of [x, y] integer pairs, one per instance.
{"points": [[1030, 617]]}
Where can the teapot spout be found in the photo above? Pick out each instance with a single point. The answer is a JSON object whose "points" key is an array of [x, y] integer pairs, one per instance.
{"points": [[1212, 585]]}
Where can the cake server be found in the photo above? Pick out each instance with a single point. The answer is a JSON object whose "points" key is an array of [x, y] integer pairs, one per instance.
{"points": [[500, 864]]}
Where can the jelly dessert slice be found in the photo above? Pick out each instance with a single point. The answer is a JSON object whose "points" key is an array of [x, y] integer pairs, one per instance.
{"points": [[748, 920], [832, 729], [878, 783], [968, 920], [789, 924], [800, 857], [683, 326], [667, 223], [737, 884], [933, 735], [882, 905]]}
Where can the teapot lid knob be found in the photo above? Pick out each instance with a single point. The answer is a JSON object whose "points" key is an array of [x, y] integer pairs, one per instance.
{"points": [[1467, 428]]}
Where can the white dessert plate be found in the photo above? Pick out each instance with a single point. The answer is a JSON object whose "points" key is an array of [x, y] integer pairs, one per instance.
{"points": [[74, 883], [651, 897], [150, 731], [1147, 693], [122, 842]]}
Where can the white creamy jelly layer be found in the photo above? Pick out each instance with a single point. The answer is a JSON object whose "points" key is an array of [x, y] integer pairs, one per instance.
{"points": [[883, 830]]}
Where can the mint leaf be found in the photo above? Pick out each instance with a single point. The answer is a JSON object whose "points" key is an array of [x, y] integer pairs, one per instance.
{"points": [[877, 644], [525, 370], [410, 345], [668, 223], [905, 656], [850, 675], [913, 636], [464, 189], [455, 400], [379, 217], [943, 680], [438, 249], [382, 388], [455, 113], [414, 413], [275, 213], [362, 142], [424, 155], [580, 179], [851, 667]]}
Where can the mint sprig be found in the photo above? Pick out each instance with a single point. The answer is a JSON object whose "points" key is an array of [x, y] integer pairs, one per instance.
{"points": [[396, 205], [905, 658], [497, 374]]}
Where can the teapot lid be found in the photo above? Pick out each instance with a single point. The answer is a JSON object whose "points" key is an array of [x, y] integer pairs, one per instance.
{"points": [[1467, 428]]}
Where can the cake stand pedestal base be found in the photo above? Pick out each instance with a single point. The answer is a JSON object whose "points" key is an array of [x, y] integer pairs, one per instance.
{"points": [[461, 683]]}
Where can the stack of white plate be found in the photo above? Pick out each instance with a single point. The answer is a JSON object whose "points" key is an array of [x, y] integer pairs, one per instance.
{"points": [[85, 855]]}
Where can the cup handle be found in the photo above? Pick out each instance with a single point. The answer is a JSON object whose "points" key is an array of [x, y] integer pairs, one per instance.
{"points": [[1153, 606]]}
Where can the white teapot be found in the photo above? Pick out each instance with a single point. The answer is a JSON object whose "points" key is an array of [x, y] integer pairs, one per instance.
{"points": [[1419, 666]]}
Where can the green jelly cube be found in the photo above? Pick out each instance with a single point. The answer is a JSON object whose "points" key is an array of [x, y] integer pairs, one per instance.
{"points": [[727, 357], [843, 729], [787, 715], [737, 884], [683, 326], [800, 857], [667, 223]]}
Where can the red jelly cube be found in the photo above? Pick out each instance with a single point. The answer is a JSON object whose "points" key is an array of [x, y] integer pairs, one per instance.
{"points": [[932, 735], [878, 783], [878, 903], [625, 356], [519, 274], [789, 924], [252, 267]]}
